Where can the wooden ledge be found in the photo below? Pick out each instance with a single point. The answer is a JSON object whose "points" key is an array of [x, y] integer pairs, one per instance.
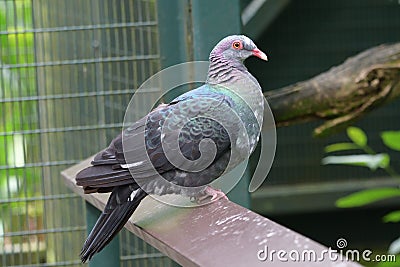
{"points": [[219, 234]]}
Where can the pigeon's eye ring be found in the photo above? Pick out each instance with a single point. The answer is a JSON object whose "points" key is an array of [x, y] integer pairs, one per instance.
{"points": [[237, 45]]}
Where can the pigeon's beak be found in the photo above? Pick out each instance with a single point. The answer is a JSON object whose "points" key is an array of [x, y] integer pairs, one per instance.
{"points": [[258, 53]]}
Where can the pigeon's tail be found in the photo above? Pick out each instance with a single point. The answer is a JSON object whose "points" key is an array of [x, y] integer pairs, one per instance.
{"points": [[120, 206]]}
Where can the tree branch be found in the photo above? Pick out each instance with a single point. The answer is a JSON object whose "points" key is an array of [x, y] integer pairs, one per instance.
{"points": [[342, 94]]}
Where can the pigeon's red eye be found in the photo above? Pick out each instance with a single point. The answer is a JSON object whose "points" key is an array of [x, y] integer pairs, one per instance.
{"points": [[237, 45]]}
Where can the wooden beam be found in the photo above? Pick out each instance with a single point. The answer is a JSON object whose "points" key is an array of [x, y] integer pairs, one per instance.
{"points": [[219, 234]]}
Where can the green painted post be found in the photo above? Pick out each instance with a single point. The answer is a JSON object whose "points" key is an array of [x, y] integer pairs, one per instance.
{"points": [[174, 32], [211, 21], [109, 256], [188, 30]]}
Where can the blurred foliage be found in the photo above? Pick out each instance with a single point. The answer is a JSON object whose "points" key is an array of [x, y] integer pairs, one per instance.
{"points": [[17, 49], [370, 158], [367, 196], [373, 161]]}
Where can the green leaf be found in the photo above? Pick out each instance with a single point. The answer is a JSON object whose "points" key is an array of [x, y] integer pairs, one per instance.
{"points": [[357, 135], [391, 139], [368, 196], [340, 147], [393, 216], [365, 160], [392, 263]]}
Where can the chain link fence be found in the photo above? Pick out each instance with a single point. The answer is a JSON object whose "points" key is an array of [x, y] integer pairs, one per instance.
{"points": [[67, 71]]}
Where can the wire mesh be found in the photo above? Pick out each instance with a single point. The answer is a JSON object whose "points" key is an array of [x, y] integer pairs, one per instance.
{"points": [[303, 48], [67, 71]]}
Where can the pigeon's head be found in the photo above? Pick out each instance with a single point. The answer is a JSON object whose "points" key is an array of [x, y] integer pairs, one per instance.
{"points": [[237, 47]]}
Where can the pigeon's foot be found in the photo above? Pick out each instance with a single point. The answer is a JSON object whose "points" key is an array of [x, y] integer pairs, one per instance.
{"points": [[215, 194]]}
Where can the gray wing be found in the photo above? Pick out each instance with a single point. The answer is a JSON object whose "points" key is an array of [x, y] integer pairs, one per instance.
{"points": [[144, 154]]}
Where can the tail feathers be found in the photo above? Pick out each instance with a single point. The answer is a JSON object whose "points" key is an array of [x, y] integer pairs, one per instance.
{"points": [[122, 203], [94, 178], [98, 173]]}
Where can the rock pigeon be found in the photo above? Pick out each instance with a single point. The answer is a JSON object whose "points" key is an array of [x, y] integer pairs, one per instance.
{"points": [[227, 110]]}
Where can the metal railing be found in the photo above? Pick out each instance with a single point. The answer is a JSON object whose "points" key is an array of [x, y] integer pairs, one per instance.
{"points": [[218, 234]]}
